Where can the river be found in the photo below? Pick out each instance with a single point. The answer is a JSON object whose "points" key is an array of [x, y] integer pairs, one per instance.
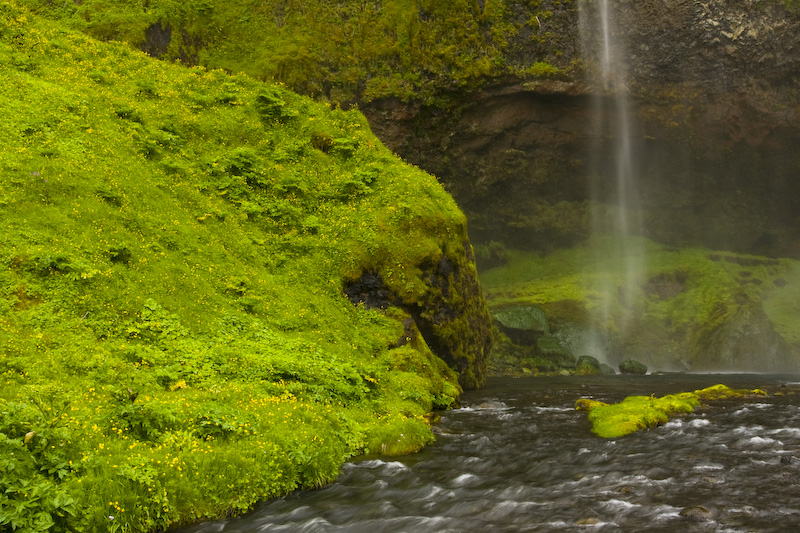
{"points": [[518, 457]]}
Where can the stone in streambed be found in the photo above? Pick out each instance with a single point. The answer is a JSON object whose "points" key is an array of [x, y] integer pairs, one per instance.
{"points": [[551, 349], [587, 365], [631, 366], [607, 370], [697, 513]]}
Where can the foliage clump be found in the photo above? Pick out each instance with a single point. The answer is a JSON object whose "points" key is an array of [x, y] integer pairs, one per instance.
{"points": [[175, 343], [642, 412]]}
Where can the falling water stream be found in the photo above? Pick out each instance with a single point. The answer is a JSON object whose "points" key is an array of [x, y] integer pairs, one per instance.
{"points": [[518, 457], [613, 168]]}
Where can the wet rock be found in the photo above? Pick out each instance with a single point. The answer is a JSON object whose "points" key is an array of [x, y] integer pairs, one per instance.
{"points": [[742, 337], [607, 370], [631, 366], [491, 404], [587, 365], [551, 349], [450, 313], [697, 513], [157, 38], [523, 324]]}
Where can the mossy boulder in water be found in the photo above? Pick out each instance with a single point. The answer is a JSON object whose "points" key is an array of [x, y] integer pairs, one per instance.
{"points": [[641, 412], [587, 365], [607, 370], [631, 366]]}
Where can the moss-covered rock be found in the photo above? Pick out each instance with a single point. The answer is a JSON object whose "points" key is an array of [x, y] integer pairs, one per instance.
{"points": [[550, 348], [523, 324], [631, 366], [448, 309], [607, 370], [587, 365], [642, 412]]}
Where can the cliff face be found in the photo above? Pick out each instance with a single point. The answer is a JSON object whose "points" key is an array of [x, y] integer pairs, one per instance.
{"points": [[715, 90]]}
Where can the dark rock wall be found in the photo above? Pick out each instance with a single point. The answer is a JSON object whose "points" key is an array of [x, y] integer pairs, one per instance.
{"points": [[715, 89]]}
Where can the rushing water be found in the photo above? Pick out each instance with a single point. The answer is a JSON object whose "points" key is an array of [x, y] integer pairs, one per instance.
{"points": [[518, 457]]}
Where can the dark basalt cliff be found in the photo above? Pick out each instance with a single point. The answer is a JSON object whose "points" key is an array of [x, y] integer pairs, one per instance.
{"points": [[715, 87]]}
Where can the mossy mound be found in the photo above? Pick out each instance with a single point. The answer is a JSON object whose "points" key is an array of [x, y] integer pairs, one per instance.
{"points": [[642, 412], [175, 338]]}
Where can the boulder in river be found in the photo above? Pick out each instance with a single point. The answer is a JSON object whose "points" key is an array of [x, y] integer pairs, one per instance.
{"points": [[631, 366], [587, 365], [607, 370], [697, 513], [551, 349]]}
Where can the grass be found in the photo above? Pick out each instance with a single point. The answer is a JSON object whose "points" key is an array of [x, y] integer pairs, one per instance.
{"points": [[175, 343], [641, 412]]}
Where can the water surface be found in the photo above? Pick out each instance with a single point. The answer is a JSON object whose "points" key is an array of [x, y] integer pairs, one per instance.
{"points": [[518, 457]]}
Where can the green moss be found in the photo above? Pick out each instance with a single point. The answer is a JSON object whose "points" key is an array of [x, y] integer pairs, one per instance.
{"points": [[337, 50], [528, 318], [642, 412], [175, 342]]}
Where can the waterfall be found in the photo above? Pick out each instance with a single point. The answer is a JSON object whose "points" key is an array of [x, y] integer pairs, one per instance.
{"points": [[616, 214]]}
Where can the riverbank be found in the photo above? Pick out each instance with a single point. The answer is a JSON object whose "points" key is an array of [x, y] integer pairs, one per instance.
{"points": [[518, 456]]}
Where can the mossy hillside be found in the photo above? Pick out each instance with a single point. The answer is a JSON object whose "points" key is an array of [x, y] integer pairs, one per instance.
{"points": [[642, 412], [342, 51], [683, 298], [175, 343]]}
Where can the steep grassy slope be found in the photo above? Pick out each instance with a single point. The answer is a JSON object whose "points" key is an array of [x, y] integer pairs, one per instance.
{"points": [[174, 338]]}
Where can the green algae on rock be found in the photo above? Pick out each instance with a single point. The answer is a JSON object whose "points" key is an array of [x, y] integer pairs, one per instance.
{"points": [[642, 412]]}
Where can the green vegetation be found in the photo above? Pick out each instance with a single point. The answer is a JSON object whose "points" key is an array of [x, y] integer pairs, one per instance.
{"points": [[342, 51], [642, 412], [683, 299], [175, 343]]}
